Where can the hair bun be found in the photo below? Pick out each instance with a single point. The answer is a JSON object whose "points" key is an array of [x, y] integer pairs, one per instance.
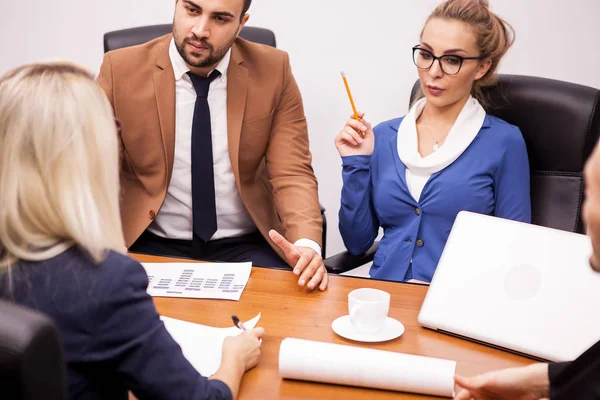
{"points": [[467, 3]]}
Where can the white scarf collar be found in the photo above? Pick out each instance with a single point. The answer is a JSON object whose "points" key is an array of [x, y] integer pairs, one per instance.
{"points": [[465, 129]]}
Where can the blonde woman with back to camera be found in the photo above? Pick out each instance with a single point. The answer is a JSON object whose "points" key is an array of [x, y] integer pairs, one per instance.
{"points": [[61, 245], [413, 175]]}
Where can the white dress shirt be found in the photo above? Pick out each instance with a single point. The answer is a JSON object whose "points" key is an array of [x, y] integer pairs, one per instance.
{"points": [[175, 218]]}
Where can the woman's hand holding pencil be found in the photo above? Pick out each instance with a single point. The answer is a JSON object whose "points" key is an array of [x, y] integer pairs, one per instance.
{"points": [[357, 136], [356, 139]]}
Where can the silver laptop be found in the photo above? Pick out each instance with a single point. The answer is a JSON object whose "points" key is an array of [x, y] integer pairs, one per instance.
{"points": [[516, 286]]}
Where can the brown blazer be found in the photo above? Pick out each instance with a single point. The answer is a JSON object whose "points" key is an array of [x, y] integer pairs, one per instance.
{"points": [[267, 134]]}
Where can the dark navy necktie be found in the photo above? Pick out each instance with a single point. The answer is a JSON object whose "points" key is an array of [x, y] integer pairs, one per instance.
{"points": [[203, 178]]}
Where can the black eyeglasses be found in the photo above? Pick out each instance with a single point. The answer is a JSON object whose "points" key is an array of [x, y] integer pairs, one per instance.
{"points": [[449, 63]]}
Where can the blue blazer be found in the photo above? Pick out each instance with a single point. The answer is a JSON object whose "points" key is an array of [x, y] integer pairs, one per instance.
{"points": [[113, 338], [490, 177]]}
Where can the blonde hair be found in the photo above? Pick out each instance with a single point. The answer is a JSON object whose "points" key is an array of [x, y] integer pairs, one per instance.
{"points": [[495, 36], [59, 157]]}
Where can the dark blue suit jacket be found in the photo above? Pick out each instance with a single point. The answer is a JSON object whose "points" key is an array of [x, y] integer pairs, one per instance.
{"points": [[113, 337]]}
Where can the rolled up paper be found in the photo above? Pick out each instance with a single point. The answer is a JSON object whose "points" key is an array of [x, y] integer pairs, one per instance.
{"points": [[355, 366]]}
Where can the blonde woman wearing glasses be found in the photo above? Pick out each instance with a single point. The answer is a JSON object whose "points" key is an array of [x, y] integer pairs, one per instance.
{"points": [[61, 245], [413, 175]]}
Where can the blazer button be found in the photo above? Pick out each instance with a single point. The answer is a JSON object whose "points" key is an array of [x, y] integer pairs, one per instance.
{"points": [[418, 211], [151, 214], [420, 243]]}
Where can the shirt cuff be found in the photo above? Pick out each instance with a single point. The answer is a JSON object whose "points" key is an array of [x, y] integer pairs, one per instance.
{"points": [[309, 243], [356, 160]]}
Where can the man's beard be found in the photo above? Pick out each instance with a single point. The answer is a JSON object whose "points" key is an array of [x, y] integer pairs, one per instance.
{"points": [[214, 56]]}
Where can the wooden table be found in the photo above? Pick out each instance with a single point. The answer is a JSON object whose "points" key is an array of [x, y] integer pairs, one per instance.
{"points": [[290, 311]]}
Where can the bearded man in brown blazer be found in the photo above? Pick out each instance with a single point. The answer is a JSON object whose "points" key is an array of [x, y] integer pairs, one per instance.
{"points": [[216, 162]]}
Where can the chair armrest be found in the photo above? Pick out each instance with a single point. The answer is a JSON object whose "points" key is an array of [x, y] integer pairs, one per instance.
{"points": [[324, 237], [345, 261]]}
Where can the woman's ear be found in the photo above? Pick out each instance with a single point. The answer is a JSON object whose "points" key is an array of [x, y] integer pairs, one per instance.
{"points": [[483, 69]]}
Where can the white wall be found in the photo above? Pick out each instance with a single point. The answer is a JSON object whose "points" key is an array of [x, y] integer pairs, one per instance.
{"points": [[369, 39]]}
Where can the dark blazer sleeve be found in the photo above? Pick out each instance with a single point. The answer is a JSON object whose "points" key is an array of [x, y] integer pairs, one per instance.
{"points": [[130, 336], [579, 379]]}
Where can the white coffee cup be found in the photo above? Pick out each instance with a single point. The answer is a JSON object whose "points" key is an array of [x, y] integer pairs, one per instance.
{"points": [[368, 309]]}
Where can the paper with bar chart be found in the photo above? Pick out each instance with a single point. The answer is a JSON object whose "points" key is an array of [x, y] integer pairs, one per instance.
{"points": [[198, 280]]}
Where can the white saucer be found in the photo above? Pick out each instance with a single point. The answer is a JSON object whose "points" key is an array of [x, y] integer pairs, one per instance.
{"points": [[392, 329]]}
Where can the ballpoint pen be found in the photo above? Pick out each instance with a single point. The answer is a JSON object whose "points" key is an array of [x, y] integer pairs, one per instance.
{"points": [[237, 322]]}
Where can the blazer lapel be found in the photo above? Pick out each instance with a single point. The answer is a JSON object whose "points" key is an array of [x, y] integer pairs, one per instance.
{"points": [[400, 167], [237, 90], [164, 91]]}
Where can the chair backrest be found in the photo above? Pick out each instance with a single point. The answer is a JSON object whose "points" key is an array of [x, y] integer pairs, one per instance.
{"points": [[130, 37], [560, 122], [32, 366]]}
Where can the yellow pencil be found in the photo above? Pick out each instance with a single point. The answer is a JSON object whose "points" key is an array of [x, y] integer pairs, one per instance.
{"points": [[350, 96], [356, 116]]}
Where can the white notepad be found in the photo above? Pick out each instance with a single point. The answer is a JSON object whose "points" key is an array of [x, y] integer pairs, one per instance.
{"points": [[198, 280], [202, 345]]}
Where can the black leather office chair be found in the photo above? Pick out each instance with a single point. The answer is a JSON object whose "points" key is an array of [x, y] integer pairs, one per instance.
{"points": [[560, 122], [130, 37], [32, 366], [133, 36]]}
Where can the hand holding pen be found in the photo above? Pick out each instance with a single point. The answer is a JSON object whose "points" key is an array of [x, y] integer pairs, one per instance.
{"points": [[239, 354], [243, 349]]}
